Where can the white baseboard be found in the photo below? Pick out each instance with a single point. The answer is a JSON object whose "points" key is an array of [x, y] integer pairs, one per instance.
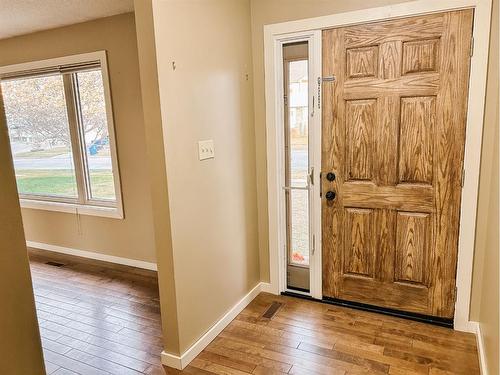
{"points": [[180, 362], [92, 255], [480, 347], [267, 288], [468, 326]]}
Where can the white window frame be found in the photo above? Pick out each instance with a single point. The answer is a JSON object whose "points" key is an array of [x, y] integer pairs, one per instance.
{"points": [[274, 33], [277, 168], [82, 205]]}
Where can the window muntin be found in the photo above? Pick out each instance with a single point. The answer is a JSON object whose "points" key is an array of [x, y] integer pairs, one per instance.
{"points": [[92, 153]]}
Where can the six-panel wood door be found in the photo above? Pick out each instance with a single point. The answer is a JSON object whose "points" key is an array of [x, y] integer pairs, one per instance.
{"points": [[393, 134]]}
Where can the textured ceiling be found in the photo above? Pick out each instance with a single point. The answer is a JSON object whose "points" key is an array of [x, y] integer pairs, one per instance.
{"points": [[19, 17]]}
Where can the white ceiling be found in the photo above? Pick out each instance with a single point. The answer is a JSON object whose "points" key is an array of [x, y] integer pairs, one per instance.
{"points": [[19, 17]]}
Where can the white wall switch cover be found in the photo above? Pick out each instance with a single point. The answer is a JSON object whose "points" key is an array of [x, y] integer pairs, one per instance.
{"points": [[206, 149]]}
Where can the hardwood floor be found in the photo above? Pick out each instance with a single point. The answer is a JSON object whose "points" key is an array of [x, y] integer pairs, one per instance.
{"points": [[96, 317], [307, 337], [100, 320]]}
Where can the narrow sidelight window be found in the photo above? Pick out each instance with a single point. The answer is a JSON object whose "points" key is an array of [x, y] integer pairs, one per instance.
{"points": [[297, 166]]}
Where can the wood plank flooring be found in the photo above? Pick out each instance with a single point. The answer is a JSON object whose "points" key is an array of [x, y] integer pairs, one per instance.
{"points": [[100, 320], [96, 317], [306, 337]]}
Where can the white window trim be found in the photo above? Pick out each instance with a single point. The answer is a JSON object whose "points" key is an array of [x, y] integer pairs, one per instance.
{"points": [[72, 208], [58, 203], [477, 87]]}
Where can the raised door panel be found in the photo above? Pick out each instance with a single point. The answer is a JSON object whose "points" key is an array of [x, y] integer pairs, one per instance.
{"points": [[362, 62], [416, 139], [413, 234], [358, 251], [360, 125], [420, 56]]}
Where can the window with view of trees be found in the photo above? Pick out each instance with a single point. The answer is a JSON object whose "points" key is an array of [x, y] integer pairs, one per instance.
{"points": [[59, 131]]}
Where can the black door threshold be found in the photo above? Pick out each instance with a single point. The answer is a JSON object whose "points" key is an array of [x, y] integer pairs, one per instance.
{"points": [[298, 295], [442, 322]]}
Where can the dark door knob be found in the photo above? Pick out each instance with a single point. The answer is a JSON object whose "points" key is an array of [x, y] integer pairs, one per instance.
{"points": [[330, 195], [330, 176]]}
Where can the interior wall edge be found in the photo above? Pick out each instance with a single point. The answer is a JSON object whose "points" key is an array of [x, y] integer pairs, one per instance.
{"points": [[20, 344], [156, 165]]}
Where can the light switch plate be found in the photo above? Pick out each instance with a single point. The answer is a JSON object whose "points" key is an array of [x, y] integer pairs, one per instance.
{"points": [[206, 149]]}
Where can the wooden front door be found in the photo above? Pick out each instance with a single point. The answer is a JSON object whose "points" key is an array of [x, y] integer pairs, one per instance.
{"points": [[393, 134]]}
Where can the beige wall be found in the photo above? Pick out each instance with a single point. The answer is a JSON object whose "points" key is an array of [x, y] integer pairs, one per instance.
{"points": [[266, 12], [132, 237], [157, 172], [485, 291], [20, 345], [212, 202]]}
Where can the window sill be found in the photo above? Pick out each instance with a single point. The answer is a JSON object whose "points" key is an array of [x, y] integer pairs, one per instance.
{"points": [[73, 208]]}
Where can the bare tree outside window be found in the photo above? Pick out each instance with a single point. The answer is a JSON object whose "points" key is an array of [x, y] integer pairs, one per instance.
{"points": [[37, 111], [38, 126]]}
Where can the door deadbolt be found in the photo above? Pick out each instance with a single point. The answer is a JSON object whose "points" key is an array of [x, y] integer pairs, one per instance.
{"points": [[330, 176], [330, 195]]}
